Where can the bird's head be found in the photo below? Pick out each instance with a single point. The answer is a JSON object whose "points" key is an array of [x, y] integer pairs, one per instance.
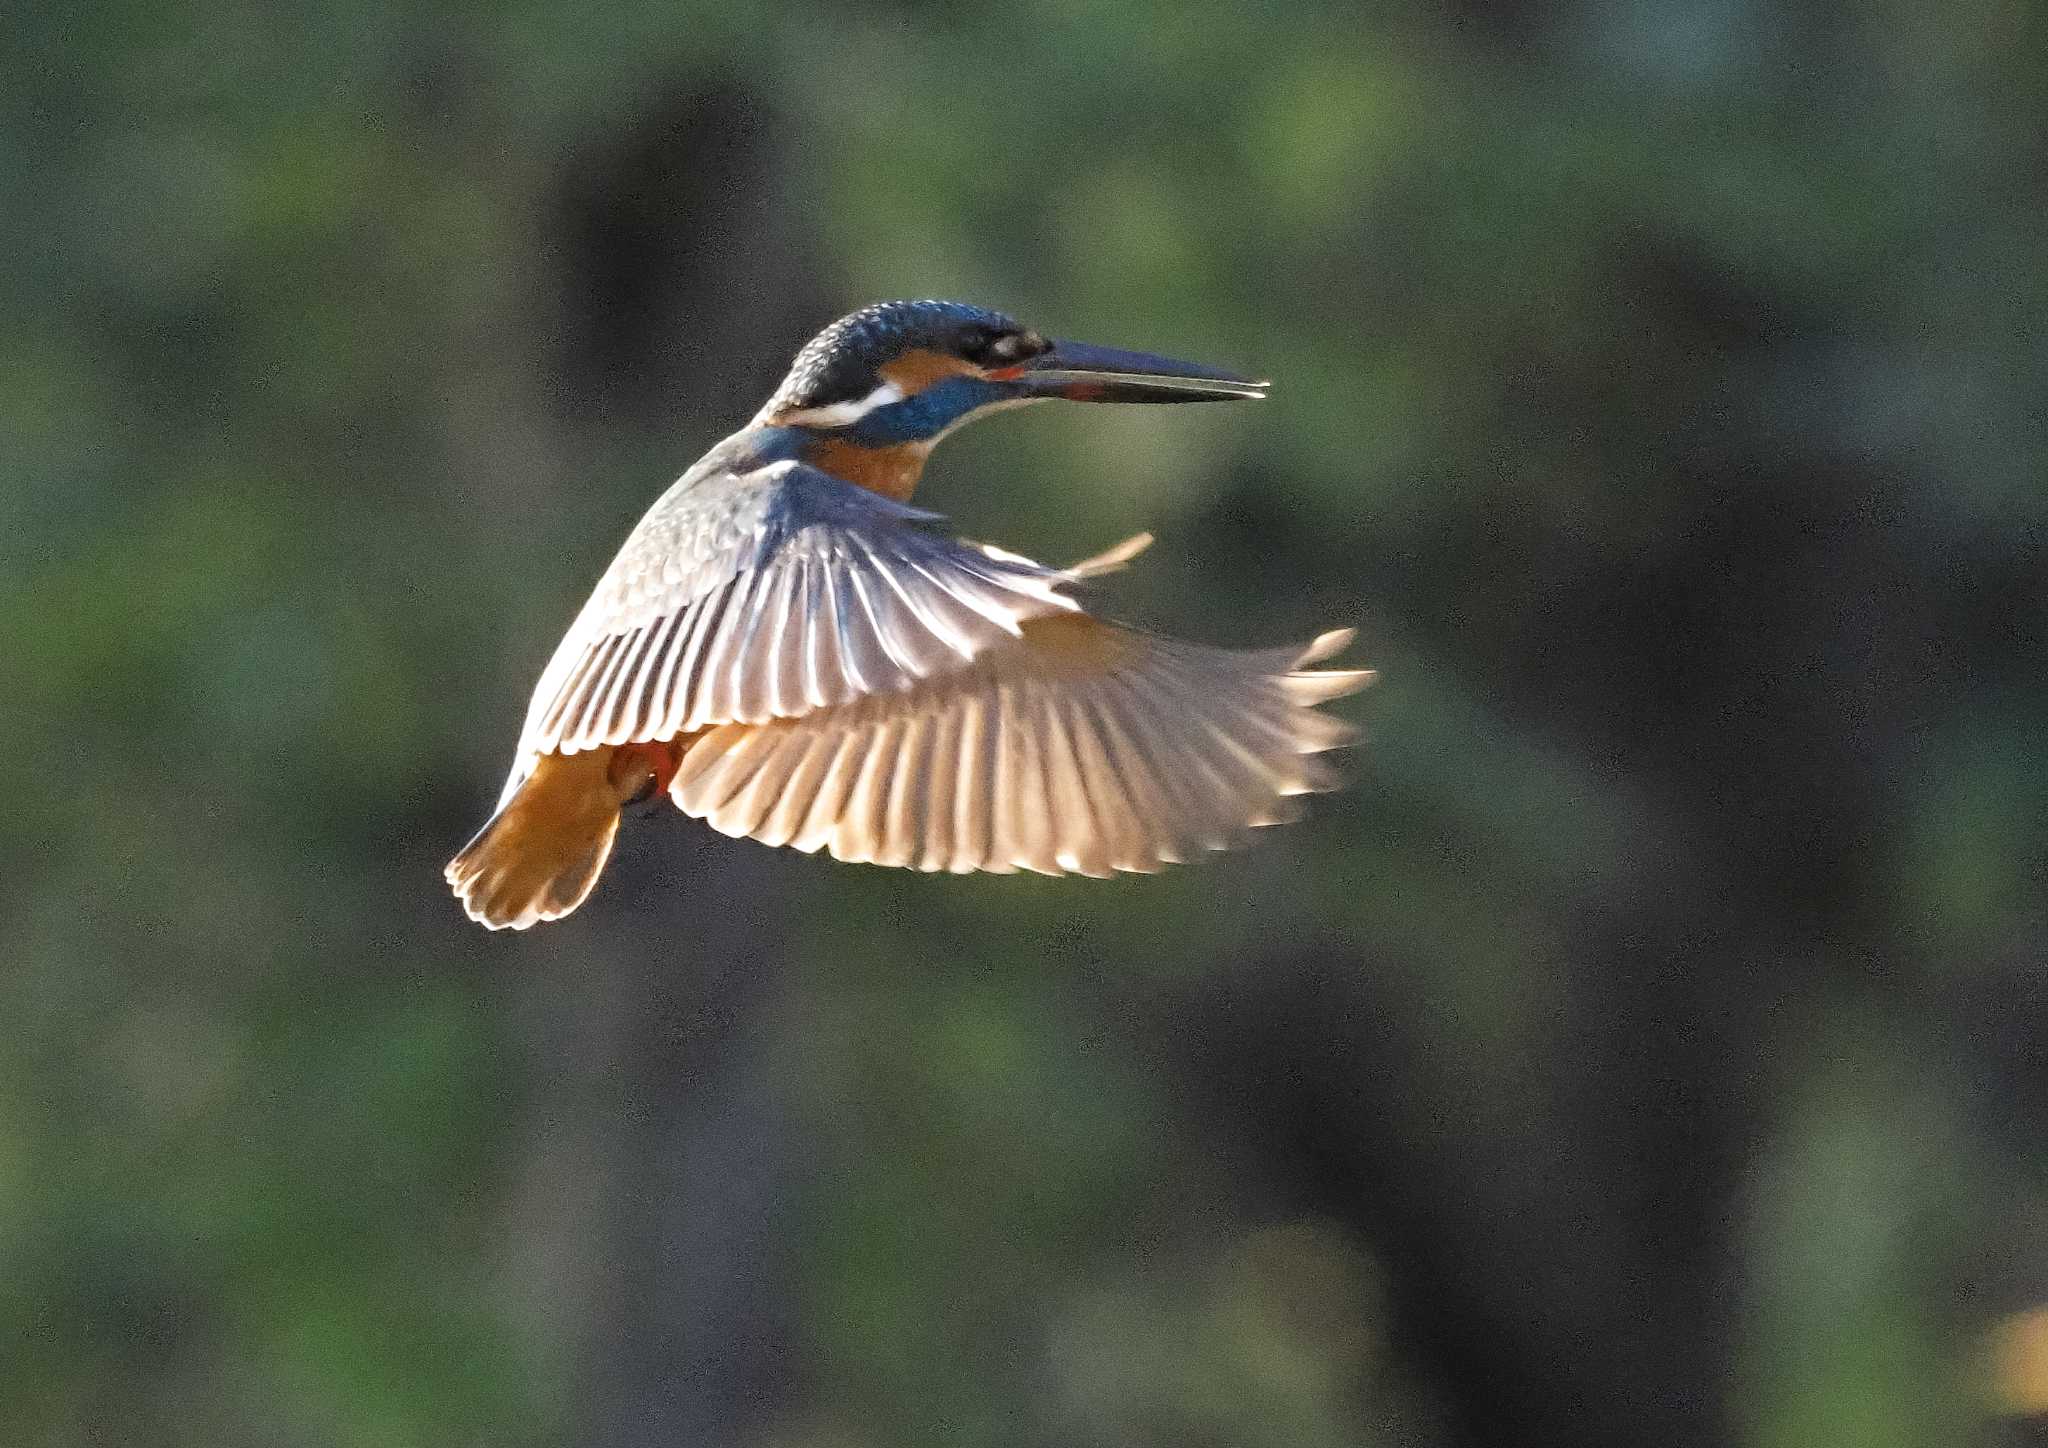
{"points": [[873, 391]]}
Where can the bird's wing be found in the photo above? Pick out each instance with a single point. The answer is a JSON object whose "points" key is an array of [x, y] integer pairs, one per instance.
{"points": [[1080, 746], [747, 597]]}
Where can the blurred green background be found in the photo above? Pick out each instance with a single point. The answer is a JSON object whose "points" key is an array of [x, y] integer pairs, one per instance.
{"points": [[1649, 1048]]}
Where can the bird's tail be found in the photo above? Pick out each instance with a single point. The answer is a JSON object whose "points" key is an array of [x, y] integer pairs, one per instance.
{"points": [[543, 850]]}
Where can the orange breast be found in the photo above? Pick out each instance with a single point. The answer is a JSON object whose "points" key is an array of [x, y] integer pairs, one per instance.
{"points": [[891, 471]]}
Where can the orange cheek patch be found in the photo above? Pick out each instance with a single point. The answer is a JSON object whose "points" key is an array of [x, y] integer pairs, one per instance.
{"points": [[919, 368]]}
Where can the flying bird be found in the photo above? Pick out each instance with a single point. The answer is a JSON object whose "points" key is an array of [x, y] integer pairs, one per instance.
{"points": [[793, 653]]}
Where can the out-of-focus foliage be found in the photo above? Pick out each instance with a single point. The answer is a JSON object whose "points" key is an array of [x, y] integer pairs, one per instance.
{"points": [[1647, 1049]]}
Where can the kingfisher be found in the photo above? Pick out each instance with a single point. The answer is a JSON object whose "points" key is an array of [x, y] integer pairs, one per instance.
{"points": [[791, 652]]}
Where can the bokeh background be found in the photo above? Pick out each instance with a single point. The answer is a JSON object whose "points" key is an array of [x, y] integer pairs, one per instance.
{"points": [[1649, 1048]]}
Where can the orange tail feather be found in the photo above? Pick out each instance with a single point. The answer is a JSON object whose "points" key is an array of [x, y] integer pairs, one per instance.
{"points": [[540, 855]]}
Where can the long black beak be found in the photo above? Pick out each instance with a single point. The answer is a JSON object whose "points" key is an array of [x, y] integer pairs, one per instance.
{"points": [[1081, 373]]}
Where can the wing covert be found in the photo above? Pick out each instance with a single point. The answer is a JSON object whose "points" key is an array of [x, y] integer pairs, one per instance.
{"points": [[749, 597]]}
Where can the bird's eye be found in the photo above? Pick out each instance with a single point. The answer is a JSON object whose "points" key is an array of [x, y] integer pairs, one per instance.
{"points": [[1002, 349]]}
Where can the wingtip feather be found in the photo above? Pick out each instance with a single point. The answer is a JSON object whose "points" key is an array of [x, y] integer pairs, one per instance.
{"points": [[1109, 560]]}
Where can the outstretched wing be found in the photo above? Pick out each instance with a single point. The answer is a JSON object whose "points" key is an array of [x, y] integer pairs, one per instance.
{"points": [[749, 597], [1079, 746]]}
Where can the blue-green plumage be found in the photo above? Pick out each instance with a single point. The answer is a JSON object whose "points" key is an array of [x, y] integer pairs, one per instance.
{"points": [[927, 414]]}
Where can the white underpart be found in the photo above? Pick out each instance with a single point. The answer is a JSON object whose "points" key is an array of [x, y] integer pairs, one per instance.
{"points": [[844, 414]]}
